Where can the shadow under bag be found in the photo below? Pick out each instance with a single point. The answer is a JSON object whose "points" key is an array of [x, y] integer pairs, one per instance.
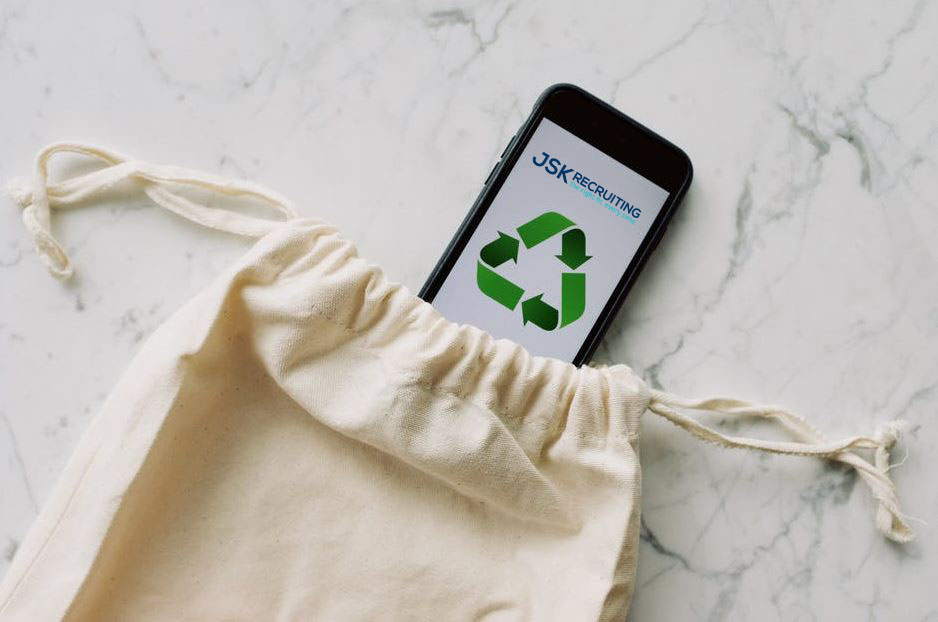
{"points": [[305, 440]]}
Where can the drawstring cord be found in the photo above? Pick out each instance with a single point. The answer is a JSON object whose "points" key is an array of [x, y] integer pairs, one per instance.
{"points": [[38, 200], [889, 518]]}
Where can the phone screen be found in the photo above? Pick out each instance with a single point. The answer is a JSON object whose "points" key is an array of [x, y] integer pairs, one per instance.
{"points": [[552, 246]]}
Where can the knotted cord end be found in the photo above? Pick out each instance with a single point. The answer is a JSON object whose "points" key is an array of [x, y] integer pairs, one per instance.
{"points": [[889, 519], [20, 192], [889, 432], [48, 248]]}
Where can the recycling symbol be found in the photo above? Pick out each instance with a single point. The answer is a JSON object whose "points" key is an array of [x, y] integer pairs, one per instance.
{"points": [[572, 284]]}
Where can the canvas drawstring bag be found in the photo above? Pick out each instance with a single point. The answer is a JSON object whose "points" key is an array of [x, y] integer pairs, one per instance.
{"points": [[306, 440]]}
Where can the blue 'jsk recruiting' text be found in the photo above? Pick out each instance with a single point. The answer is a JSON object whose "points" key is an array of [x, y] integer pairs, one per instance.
{"points": [[558, 169]]}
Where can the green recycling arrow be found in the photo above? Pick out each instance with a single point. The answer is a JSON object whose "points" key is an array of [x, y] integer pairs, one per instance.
{"points": [[572, 297], [544, 226], [574, 249], [497, 287], [539, 312], [501, 250], [572, 284]]}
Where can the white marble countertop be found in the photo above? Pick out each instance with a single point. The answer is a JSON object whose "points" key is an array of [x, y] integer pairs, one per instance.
{"points": [[802, 268]]}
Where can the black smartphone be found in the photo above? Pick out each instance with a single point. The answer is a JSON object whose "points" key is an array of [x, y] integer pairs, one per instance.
{"points": [[565, 222]]}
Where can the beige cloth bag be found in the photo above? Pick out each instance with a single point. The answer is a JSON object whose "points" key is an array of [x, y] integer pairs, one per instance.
{"points": [[306, 440]]}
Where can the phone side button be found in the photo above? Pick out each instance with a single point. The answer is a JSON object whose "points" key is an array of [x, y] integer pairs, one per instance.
{"points": [[510, 142], [491, 173]]}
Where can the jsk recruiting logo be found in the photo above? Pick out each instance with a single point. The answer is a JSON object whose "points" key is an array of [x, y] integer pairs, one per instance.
{"points": [[590, 188], [572, 284]]}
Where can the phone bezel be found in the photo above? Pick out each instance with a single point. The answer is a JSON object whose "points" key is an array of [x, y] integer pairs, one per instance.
{"points": [[618, 136]]}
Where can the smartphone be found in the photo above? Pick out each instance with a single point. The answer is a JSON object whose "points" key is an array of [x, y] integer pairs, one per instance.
{"points": [[565, 221]]}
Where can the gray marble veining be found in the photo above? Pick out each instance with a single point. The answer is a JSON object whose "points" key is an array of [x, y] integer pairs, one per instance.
{"points": [[802, 268]]}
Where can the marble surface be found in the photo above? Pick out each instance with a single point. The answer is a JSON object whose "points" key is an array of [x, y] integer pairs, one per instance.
{"points": [[802, 268]]}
